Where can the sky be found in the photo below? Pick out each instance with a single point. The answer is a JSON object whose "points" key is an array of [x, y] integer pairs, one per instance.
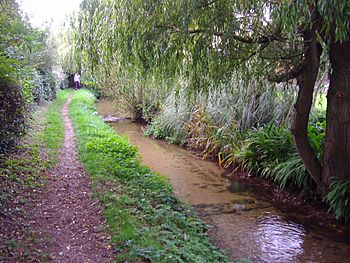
{"points": [[48, 11]]}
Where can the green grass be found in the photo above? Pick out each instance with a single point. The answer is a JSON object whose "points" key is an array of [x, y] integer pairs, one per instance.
{"points": [[145, 220]]}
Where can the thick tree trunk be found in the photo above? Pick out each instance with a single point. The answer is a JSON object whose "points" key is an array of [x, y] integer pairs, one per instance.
{"points": [[336, 159], [303, 104]]}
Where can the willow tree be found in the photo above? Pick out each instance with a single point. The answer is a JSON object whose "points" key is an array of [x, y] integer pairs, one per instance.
{"points": [[294, 39], [209, 40]]}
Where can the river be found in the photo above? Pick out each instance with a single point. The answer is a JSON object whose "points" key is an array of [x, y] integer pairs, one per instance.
{"points": [[248, 226]]}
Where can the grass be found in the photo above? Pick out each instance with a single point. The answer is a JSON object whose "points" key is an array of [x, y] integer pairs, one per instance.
{"points": [[145, 220]]}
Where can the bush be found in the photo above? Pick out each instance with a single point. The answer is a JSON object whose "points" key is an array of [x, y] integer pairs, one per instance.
{"points": [[12, 115]]}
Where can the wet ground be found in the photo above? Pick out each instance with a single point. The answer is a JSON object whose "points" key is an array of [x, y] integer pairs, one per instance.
{"points": [[248, 226]]}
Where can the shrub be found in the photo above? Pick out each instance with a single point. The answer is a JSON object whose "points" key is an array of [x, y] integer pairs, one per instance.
{"points": [[12, 115]]}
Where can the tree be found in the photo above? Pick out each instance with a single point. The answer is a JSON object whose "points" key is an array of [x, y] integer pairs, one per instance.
{"points": [[292, 37], [209, 40]]}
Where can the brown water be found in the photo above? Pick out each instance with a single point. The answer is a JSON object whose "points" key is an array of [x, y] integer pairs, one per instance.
{"points": [[244, 224]]}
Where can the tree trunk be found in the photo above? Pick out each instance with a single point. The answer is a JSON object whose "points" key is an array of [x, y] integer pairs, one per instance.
{"points": [[336, 158], [306, 82]]}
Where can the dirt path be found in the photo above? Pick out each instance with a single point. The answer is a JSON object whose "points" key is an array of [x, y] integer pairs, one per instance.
{"points": [[69, 218]]}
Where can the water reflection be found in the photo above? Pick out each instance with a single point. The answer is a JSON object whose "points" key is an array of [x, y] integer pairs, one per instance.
{"points": [[279, 240]]}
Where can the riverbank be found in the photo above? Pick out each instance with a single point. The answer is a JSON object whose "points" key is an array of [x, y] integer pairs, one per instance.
{"points": [[145, 220]]}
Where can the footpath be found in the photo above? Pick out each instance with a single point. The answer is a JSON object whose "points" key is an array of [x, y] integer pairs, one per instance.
{"points": [[68, 216]]}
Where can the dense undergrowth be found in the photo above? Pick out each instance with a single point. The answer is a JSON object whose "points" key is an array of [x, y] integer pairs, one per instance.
{"points": [[22, 176], [145, 220]]}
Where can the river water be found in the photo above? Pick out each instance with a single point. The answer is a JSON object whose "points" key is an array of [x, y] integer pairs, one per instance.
{"points": [[247, 226]]}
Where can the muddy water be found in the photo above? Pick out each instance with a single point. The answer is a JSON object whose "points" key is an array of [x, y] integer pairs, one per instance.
{"points": [[244, 224]]}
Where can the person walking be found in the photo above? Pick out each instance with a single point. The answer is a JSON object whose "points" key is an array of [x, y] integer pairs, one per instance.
{"points": [[77, 81]]}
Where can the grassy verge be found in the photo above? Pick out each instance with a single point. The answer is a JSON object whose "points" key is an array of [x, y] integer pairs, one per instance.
{"points": [[22, 175], [145, 220]]}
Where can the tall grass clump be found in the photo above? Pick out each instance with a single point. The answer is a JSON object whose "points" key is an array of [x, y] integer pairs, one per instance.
{"points": [[215, 121], [145, 220], [264, 148], [269, 152], [338, 199], [170, 123]]}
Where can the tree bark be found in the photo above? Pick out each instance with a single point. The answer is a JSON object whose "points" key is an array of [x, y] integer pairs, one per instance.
{"points": [[303, 104], [336, 158]]}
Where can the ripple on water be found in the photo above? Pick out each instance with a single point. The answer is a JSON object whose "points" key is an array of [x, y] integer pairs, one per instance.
{"points": [[277, 239]]}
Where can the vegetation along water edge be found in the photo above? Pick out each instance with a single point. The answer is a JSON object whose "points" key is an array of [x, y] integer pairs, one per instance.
{"points": [[144, 218]]}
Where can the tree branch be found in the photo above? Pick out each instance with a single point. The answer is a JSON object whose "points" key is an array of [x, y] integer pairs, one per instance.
{"points": [[291, 74], [247, 40]]}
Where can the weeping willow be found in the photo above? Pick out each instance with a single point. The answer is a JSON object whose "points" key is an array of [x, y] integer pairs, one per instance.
{"points": [[143, 50]]}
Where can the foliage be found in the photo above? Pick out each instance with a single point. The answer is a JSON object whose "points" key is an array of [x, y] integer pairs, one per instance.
{"points": [[269, 152], [26, 71], [170, 123], [12, 115], [339, 199], [216, 122], [145, 220], [317, 132], [266, 147], [292, 172], [219, 55]]}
